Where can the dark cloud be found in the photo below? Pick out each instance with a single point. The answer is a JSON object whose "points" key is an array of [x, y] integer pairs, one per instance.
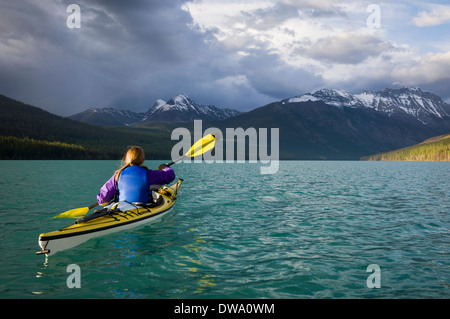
{"points": [[272, 77], [129, 53], [212, 78], [119, 44]]}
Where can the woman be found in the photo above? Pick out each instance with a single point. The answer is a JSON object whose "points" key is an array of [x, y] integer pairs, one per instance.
{"points": [[132, 182]]}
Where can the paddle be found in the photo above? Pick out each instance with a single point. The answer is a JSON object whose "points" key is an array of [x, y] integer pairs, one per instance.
{"points": [[201, 146], [77, 212]]}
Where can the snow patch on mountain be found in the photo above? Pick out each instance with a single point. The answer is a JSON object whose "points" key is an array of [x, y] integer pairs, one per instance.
{"points": [[158, 104], [178, 108], [182, 106], [411, 101]]}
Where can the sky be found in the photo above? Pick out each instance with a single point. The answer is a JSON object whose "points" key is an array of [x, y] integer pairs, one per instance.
{"points": [[238, 54]]}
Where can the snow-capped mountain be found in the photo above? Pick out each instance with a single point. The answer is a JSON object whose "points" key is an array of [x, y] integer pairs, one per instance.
{"points": [[182, 108], [178, 109], [406, 101], [332, 124]]}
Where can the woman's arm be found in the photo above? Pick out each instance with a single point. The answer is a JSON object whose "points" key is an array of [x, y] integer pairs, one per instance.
{"points": [[107, 192], [164, 176]]}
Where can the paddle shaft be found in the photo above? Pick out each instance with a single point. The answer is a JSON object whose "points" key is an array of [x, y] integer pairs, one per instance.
{"points": [[177, 160], [93, 205]]}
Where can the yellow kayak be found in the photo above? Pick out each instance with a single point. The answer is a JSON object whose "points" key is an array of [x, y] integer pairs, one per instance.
{"points": [[113, 218]]}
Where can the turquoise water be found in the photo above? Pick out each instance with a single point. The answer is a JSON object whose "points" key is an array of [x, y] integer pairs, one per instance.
{"points": [[309, 231]]}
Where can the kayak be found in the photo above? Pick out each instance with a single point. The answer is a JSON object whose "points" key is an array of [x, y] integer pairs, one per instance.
{"points": [[112, 218]]}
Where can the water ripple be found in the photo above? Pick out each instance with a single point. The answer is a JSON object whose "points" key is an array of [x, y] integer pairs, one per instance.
{"points": [[309, 231]]}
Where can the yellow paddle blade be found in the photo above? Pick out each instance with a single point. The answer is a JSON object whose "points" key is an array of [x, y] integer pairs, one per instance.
{"points": [[74, 213], [202, 146]]}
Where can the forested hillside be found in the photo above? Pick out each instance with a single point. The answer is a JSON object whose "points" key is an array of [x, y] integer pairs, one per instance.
{"points": [[433, 149], [28, 132]]}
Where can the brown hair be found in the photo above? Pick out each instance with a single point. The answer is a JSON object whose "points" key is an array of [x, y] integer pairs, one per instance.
{"points": [[134, 156]]}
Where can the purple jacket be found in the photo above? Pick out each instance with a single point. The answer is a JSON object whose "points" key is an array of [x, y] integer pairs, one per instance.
{"points": [[109, 189]]}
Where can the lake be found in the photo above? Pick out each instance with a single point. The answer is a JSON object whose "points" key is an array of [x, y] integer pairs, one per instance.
{"points": [[309, 231]]}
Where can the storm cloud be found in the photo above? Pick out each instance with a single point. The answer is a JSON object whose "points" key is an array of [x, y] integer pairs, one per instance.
{"points": [[116, 49], [237, 54]]}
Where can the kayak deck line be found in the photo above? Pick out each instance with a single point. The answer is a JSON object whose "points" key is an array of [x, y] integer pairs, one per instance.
{"points": [[42, 238], [110, 212], [122, 216]]}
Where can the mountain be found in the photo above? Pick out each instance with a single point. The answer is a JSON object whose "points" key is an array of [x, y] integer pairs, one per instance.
{"points": [[406, 102], [178, 109], [326, 124], [28, 132], [433, 149], [181, 108], [332, 124]]}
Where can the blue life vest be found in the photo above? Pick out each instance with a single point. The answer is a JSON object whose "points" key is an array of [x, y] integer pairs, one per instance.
{"points": [[133, 185]]}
